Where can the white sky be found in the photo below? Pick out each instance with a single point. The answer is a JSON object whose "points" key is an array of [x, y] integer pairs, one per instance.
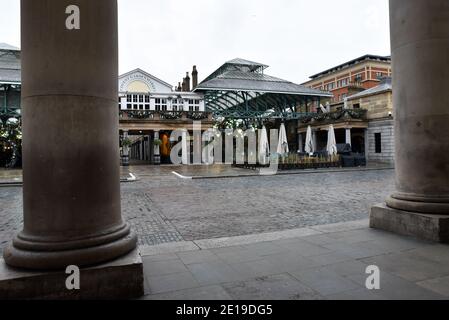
{"points": [[296, 38]]}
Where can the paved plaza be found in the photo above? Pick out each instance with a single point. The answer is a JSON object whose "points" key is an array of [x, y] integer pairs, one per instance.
{"points": [[321, 262], [228, 234], [163, 207]]}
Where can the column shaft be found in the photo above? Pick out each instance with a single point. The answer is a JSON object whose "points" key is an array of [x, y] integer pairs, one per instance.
{"points": [[420, 50], [71, 193]]}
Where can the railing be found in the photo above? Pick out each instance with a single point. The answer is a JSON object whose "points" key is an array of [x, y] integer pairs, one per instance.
{"points": [[334, 116], [243, 114], [163, 115]]}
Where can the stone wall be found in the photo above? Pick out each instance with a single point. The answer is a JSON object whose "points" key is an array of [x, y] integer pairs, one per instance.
{"points": [[386, 128], [378, 105]]}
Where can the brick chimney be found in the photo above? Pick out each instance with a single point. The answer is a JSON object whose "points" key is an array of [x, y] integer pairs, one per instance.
{"points": [[194, 78], [179, 86], [187, 82], [183, 87]]}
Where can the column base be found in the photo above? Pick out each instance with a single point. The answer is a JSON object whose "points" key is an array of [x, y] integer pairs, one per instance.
{"points": [[52, 258], [432, 227], [119, 279]]}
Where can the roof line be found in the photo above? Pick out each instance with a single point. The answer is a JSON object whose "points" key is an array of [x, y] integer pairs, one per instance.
{"points": [[351, 62], [268, 91], [146, 73]]}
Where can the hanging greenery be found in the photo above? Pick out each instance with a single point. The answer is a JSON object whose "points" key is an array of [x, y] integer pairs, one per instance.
{"points": [[10, 142]]}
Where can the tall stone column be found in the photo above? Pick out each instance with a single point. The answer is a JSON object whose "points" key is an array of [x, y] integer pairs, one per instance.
{"points": [[420, 50], [71, 193]]}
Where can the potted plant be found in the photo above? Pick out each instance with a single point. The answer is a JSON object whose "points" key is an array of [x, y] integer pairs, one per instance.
{"points": [[157, 142]]}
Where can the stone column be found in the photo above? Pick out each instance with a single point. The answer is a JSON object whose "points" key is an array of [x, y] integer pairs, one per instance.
{"points": [[348, 136], [71, 166], [185, 148], [420, 47], [125, 155], [300, 144], [157, 149]]}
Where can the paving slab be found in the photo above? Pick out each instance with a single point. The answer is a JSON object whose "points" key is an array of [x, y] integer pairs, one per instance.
{"points": [[199, 256], [437, 285], [324, 281], [393, 287], [214, 272], [157, 268], [171, 282], [409, 266], [207, 293], [276, 287]]}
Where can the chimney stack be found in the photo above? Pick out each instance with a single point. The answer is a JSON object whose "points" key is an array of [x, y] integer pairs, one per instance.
{"points": [[183, 87], [187, 82], [179, 86], [194, 77]]}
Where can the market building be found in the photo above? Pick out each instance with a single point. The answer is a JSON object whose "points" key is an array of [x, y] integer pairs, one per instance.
{"points": [[150, 110], [241, 90]]}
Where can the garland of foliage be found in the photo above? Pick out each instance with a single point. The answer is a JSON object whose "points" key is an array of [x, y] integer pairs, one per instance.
{"points": [[10, 143]]}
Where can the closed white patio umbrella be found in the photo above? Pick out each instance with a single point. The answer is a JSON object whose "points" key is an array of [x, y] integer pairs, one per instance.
{"points": [[283, 143], [331, 142], [264, 147], [309, 143]]}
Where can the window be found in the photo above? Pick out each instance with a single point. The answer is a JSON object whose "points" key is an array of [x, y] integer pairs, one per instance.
{"points": [[147, 107], [140, 98], [164, 104], [129, 98], [129, 106], [378, 142], [358, 78], [191, 105], [357, 106], [134, 98], [342, 83], [379, 75], [147, 99], [141, 107], [158, 104], [197, 105]]}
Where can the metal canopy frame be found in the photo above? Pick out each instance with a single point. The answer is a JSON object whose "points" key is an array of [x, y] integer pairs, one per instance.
{"points": [[236, 104], [239, 89]]}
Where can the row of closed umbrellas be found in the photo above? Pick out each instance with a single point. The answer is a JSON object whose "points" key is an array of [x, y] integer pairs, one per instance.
{"points": [[282, 148]]}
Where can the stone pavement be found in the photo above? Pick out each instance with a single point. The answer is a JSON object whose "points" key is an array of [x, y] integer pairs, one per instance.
{"points": [[321, 262], [161, 207]]}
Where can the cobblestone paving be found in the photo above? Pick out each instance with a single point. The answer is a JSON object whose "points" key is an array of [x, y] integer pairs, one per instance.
{"points": [[163, 208]]}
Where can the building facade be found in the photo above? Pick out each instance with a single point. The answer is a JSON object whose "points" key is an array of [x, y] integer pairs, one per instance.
{"points": [[378, 103], [361, 109], [351, 77], [150, 110]]}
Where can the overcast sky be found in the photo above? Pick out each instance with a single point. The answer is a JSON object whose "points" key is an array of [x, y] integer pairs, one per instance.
{"points": [[296, 38]]}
